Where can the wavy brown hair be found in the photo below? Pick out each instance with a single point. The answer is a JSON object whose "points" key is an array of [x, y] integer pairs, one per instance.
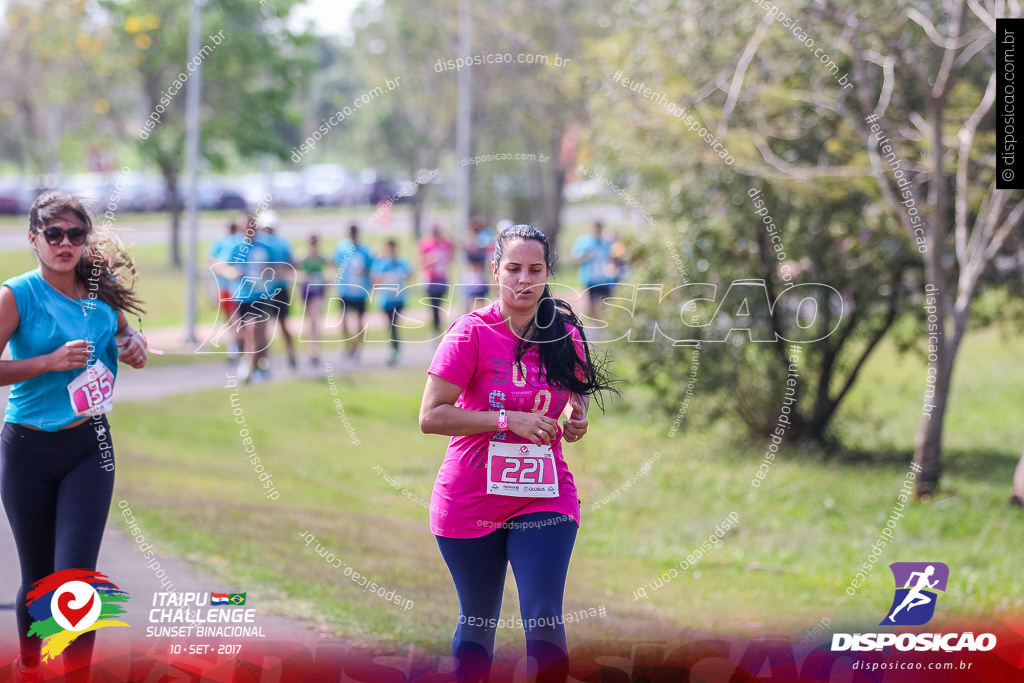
{"points": [[105, 266]]}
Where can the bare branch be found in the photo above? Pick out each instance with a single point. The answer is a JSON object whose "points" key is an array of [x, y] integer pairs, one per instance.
{"points": [[986, 17], [966, 136], [805, 172], [929, 28], [948, 70], [741, 71]]}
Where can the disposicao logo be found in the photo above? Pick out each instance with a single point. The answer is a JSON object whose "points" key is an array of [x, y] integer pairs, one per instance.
{"points": [[913, 604], [916, 584], [68, 603]]}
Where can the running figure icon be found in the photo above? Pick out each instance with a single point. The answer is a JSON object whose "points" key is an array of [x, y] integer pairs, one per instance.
{"points": [[915, 596]]}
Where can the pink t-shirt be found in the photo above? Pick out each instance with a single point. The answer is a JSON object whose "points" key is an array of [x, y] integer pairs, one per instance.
{"points": [[477, 354], [438, 252]]}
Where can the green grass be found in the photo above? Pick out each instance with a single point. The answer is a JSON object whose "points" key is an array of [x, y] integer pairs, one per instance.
{"points": [[800, 540]]}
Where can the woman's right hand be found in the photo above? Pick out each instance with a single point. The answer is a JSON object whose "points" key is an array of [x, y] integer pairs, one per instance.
{"points": [[536, 427], [74, 354]]}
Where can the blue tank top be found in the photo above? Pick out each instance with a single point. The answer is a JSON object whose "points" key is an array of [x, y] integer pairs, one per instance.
{"points": [[48, 320]]}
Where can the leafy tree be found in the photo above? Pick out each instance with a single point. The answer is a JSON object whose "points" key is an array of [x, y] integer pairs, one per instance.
{"points": [[60, 98], [925, 73], [249, 80], [734, 222], [411, 127]]}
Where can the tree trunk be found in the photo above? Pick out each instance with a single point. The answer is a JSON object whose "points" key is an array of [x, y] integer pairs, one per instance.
{"points": [[928, 448], [419, 200], [553, 219]]}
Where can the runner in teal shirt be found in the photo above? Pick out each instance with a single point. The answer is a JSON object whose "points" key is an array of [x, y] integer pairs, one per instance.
{"points": [[66, 326], [390, 274]]}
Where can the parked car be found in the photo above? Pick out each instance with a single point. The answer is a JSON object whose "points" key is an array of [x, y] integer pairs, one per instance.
{"points": [[289, 190], [216, 193], [94, 189], [286, 189], [330, 185], [375, 188], [15, 196], [143, 192]]}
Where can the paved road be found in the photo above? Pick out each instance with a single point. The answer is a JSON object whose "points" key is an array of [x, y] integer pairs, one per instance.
{"points": [[330, 223]]}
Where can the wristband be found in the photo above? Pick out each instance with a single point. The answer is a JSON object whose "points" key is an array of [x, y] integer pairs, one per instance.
{"points": [[502, 421]]}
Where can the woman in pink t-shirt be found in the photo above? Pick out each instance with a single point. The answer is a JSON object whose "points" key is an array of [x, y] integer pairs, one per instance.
{"points": [[435, 259], [500, 379]]}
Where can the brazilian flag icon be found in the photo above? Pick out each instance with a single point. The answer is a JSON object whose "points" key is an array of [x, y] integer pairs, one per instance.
{"points": [[237, 598]]}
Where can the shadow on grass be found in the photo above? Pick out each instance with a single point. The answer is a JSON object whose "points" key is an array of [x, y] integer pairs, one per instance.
{"points": [[979, 464]]}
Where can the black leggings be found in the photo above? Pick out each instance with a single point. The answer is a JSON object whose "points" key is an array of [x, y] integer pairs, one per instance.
{"points": [[436, 293], [56, 489]]}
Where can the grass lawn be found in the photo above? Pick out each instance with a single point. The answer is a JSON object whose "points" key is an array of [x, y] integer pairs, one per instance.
{"points": [[800, 539]]}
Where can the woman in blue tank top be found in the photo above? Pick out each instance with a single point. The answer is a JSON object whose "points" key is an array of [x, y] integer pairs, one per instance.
{"points": [[65, 322]]}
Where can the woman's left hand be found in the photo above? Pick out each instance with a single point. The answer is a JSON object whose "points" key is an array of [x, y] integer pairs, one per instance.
{"points": [[132, 350], [575, 427]]}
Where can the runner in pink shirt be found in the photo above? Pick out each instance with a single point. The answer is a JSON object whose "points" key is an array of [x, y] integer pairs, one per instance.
{"points": [[500, 379], [435, 259]]}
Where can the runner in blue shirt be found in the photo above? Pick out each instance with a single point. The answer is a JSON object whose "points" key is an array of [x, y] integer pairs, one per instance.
{"points": [[283, 282], [65, 322], [219, 253], [250, 269], [354, 261], [390, 274], [597, 268]]}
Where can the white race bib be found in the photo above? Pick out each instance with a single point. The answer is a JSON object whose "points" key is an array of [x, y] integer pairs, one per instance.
{"points": [[521, 469], [92, 392]]}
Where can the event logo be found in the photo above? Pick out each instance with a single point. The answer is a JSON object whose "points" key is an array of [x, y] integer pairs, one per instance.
{"points": [[917, 584], [68, 603]]}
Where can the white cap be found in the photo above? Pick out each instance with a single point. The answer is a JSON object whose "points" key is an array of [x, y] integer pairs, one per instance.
{"points": [[267, 218]]}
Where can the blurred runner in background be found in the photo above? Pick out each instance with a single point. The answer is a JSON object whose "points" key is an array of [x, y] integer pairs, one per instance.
{"points": [[220, 252], [353, 261], [435, 259], [598, 272], [479, 247], [281, 284], [390, 274], [313, 295]]}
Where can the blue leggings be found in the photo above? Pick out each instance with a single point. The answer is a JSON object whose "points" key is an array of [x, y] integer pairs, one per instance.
{"points": [[56, 489], [538, 545]]}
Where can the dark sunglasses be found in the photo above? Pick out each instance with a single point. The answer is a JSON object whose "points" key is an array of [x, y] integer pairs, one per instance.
{"points": [[54, 236]]}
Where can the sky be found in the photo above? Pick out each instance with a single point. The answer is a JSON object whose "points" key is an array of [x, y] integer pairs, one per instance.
{"points": [[330, 17]]}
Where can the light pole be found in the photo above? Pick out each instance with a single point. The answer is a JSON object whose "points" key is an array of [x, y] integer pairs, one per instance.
{"points": [[192, 95], [462, 147]]}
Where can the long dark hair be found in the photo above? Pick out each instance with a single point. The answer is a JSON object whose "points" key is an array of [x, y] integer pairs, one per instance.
{"points": [[561, 365], [105, 266]]}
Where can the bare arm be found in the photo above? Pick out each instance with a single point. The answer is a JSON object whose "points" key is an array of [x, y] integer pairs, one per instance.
{"points": [[225, 270], [131, 347], [74, 354], [575, 427], [438, 415]]}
